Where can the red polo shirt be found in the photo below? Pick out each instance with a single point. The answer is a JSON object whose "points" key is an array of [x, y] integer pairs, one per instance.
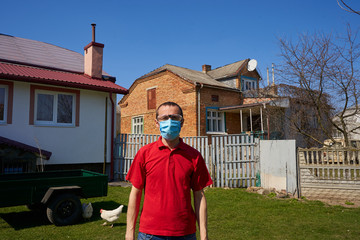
{"points": [[168, 175]]}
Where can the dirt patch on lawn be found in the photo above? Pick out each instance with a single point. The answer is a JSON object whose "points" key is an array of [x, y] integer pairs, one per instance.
{"points": [[339, 202]]}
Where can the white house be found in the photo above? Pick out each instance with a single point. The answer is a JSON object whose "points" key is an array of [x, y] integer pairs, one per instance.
{"points": [[351, 118], [59, 101]]}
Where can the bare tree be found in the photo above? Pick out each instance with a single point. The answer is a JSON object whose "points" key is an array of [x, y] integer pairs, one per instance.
{"points": [[324, 69], [346, 7]]}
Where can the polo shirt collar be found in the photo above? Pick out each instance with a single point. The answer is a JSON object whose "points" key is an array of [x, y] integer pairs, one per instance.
{"points": [[181, 144]]}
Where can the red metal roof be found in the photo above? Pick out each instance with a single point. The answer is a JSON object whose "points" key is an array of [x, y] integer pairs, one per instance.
{"points": [[58, 78]]}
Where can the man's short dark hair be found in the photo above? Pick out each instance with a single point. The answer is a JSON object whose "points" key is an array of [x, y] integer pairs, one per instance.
{"points": [[168, 104]]}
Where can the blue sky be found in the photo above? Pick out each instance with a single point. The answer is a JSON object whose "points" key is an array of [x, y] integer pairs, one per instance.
{"points": [[140, 36]]}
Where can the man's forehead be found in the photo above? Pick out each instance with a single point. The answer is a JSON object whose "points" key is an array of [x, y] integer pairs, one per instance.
{"points": [[169, 108]]}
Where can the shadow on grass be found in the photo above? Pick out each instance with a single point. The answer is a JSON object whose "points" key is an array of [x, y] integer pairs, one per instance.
{"points": [[109, 205], [25, 219], [35, 218]]}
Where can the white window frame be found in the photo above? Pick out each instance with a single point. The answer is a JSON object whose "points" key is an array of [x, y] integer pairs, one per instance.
{"points": [[55, 109], [248, 84], [137, 125], [219, 119], [4, 121]]}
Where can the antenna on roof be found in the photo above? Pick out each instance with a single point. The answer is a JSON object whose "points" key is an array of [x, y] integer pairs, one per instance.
{"points": [[251, 65], [93, 31], [273, 73]]}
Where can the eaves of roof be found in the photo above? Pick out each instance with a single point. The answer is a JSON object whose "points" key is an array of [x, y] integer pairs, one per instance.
{"points": [[250, 105], [57, 78]]}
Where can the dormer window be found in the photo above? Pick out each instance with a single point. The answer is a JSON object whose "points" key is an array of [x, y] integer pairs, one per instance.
{"points": [[248, 83]]}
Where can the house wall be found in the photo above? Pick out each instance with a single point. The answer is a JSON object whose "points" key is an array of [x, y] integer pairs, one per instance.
{"points": [[69, 145], [226, 98], [169, 87]]}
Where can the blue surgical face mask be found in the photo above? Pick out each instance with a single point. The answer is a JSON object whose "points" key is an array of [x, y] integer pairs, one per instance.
{"points": [[170, 129]]}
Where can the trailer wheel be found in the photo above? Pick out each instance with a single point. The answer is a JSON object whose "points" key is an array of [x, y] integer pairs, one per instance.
{"points": [[65, 209]]}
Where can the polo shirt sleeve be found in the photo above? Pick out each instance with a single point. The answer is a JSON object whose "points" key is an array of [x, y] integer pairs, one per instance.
{"points": [[136, 173], [201, 177]]}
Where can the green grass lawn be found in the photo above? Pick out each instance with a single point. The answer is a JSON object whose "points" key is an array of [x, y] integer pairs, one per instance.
{"points": [[233, 214]]}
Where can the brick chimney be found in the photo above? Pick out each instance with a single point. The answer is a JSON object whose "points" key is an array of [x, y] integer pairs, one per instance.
{"points": [[93, 57], [206, 68]]}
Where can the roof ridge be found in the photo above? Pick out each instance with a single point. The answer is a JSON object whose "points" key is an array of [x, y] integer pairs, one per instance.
{"points": [[6, 35], [27, 39], [227, 65]]}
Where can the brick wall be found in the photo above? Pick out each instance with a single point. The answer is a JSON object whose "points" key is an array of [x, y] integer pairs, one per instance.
{"points": [[225, 98], [169, 87]]}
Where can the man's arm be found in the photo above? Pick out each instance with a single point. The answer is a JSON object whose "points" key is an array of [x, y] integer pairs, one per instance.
{"points": [[201, 213], [132, 212]]}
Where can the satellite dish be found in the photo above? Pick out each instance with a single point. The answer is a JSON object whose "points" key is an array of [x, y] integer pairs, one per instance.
{"points": [[252, 65]]}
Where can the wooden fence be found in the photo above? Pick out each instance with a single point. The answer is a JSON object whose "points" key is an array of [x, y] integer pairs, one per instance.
{"points": [[234, 160], [230, 159], [329, 173]]}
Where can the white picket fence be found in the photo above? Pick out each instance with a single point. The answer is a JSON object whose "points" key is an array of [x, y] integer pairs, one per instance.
{"points": [[230, 159], [235, 160]]}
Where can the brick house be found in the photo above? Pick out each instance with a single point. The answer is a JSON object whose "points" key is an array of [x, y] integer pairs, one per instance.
{"points": [[213, 100]]}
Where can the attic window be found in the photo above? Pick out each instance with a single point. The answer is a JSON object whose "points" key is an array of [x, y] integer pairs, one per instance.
{"points": [[248, 83], [215, 98], [151, 98]]}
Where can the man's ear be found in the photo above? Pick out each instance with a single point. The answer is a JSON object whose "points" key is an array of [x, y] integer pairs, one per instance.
{"points": [[182, 122], [157, 124]]}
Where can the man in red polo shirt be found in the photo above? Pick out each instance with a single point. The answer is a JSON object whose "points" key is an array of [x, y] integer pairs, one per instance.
{"points": [[168, 170]]}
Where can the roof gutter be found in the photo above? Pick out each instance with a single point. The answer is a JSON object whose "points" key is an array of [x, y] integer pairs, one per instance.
{"points": [[198, 106], [62, 84]]}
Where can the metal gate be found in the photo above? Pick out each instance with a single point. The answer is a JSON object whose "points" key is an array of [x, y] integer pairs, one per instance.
{"points": [[235, 158]]}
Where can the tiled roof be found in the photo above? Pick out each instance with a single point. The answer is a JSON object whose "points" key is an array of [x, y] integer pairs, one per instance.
{"points": [[37, 53], [188, 74], [229, 70], [25, 147], [59, 78]]}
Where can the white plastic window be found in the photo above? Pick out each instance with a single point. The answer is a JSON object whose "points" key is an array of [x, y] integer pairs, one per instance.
{"points": [[3, 103], [52, 108], [215, 121], [138, 125]]}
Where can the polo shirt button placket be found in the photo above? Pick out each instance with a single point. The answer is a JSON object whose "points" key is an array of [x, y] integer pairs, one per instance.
{"points": [[171, 161]]}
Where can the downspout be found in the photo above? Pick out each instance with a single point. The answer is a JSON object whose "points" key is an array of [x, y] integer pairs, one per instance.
{"points": [[198, 106], [112, 137], [105, 138], [267, 122]]}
